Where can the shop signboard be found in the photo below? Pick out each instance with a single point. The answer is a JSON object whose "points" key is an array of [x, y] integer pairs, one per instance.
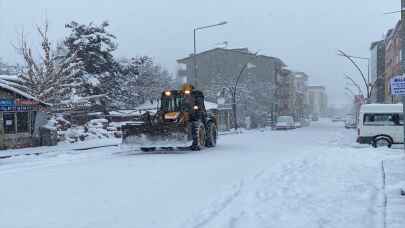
{"points": [[19, 105]]}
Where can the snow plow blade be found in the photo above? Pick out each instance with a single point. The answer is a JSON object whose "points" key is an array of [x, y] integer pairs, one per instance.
{"points": [[168, 135]]}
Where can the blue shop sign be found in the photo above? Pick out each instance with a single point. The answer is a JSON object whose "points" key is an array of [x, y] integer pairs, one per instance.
{"points": [[7, 103], [16, 108]]}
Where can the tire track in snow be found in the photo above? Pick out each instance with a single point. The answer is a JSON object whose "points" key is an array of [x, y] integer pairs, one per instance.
{"points": [[206, 216], [316, 191]]}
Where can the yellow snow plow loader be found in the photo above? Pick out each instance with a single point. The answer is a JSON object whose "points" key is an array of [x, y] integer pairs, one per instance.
{"points": [[181, 122]]}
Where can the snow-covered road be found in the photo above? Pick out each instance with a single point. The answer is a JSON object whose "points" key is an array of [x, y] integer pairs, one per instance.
{"points": [[309, 177]]}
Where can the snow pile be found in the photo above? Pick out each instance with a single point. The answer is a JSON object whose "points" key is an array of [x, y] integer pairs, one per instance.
{"points": [[97, 129], [51, 124]]}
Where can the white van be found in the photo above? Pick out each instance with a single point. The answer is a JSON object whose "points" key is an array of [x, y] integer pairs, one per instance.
{"points": [[380, 125]]}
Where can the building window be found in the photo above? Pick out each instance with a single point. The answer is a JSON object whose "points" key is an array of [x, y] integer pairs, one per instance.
{"points": [[9, 123], [22, 122]]}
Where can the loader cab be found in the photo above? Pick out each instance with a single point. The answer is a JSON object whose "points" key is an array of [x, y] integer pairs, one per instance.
{"points": [[179, 101]]}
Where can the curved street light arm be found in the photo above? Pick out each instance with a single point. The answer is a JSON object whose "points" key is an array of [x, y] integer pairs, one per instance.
{"points": [[243, 69], [210, 26], [358, 68]]}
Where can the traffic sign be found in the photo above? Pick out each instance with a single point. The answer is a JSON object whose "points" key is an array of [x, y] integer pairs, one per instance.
{"points": [[398, 85]]}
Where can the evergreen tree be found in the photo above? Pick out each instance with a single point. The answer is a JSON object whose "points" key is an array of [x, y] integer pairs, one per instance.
{"points": [[92, 45]]}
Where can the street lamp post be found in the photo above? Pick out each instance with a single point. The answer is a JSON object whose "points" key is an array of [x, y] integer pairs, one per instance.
{"points": [[235, 88], [195, 47]]}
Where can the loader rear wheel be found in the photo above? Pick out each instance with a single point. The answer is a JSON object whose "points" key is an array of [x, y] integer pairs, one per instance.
{"points": [[212, 134], [198, 134]]}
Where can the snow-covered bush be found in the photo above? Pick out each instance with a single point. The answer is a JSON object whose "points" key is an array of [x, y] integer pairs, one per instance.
{"points": [[97, 123]]}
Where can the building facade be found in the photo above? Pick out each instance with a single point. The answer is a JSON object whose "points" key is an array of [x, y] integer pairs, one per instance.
{"points": [[300, 99], [291, 94], [377, 71], [392, 60], [285, 93], [318, 100], [219, 69]]}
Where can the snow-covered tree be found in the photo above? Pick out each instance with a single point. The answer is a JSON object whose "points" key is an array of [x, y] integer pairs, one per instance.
{"points": [[45, 77], [141, 80], [92, 46]]}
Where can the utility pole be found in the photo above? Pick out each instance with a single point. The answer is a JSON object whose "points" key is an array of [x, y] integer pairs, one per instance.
{"points": [[402, 38], [195, 67], [195, 60]]}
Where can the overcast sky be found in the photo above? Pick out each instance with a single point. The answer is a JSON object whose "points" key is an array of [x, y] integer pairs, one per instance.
{"points": [[304, 34]]}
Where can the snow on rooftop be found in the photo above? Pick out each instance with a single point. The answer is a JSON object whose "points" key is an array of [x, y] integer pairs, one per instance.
{"points": [[149, 105], [11, 86], [9, 77], [210, 105], [8, 86]]}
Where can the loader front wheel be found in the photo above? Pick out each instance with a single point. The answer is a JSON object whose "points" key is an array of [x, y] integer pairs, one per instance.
{"points": [[212, 134], [148, 149], [198, 134]]}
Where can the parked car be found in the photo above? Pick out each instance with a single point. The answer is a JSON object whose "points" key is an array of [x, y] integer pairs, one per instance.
{"points": [[285, 123], [350, 124], [381, 125], [315, 117], [337, 119], [305, 122]]}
